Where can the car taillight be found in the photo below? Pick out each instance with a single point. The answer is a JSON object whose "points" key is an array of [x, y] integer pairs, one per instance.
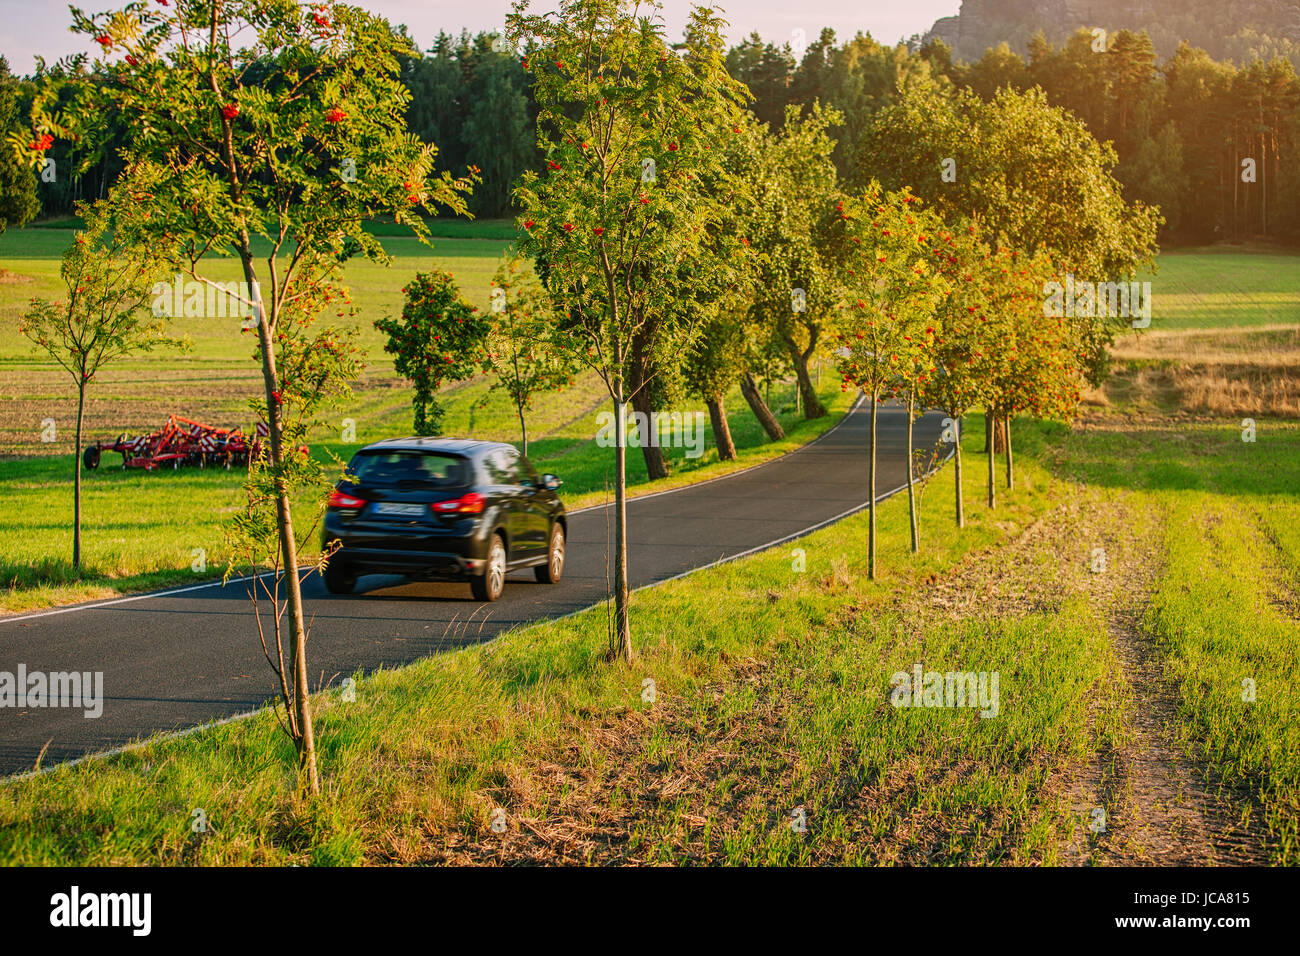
{"points": [[470, 504], [339, 500]]}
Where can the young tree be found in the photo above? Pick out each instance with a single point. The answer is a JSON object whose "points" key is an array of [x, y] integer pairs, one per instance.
{"points": [[105, 316], [269, 131], [1043, 374], [890, 293], [525, 351], [440, 338], [626, 127], [916, 368], [1010, 297]]}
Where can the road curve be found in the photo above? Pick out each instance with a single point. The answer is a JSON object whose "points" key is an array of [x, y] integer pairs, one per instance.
{"points": [[174, 659]]}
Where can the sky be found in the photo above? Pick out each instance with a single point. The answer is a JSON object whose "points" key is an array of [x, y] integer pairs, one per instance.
{"points": [[32, 27]]}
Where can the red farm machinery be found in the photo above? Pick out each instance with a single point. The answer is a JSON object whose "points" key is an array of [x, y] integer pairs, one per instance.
{"points": [[180, 442]]}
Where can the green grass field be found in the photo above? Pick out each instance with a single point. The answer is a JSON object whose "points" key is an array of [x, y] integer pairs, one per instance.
{"points": [[35, 253], [1225, 286]]}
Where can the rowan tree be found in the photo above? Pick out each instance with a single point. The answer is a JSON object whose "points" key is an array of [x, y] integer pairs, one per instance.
{"points": [[956, 386], [439, 338], [619, 215], [1030, 175], [268, 131], [1044, 368], [1008, 296]]}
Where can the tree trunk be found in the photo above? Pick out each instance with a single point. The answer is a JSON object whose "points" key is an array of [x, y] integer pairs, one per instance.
{"points": [[999, 436], [911, 483], [871, 491], [620, 647], [639, 378], [306, 741], [523, 429], [989, 420], [749, 388], [1011, 478], [812, 405], [76, 478], [721, 430], [656, 464]]}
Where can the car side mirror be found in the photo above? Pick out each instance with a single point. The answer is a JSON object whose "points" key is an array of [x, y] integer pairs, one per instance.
{"points": [[551, 482]]}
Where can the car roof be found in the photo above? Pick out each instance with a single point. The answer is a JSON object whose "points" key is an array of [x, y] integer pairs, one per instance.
{"points": [[453, 446]]}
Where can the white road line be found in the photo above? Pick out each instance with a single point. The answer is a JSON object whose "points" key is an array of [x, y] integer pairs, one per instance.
{"points": [[217, 583]]}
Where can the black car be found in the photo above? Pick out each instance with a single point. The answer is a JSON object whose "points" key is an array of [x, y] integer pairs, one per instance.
{"points": [[437, 509]]}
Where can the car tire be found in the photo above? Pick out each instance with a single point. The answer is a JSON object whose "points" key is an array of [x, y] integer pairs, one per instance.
{"points": [[489, 585], [553, 569], [339, 578]]}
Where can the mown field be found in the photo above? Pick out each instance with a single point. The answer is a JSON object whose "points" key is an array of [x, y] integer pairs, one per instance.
{"points": [[775, 742], [216, 378]]}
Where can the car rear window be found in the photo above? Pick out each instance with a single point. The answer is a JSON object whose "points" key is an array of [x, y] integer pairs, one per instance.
{"points": [[410, 467]]}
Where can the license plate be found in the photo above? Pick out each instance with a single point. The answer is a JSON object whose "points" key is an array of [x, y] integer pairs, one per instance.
{"points": [[399, 510]]}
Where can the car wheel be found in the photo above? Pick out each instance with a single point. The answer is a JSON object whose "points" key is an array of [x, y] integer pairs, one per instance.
{"points": [[339, 578], [549, 573], [489, 585]]}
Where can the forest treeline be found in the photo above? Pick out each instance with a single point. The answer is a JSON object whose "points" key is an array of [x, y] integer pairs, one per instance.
{"points": [[1212, 143]]}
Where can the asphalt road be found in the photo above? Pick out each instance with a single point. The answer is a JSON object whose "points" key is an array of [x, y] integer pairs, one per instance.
{"points": [[174, 659]]}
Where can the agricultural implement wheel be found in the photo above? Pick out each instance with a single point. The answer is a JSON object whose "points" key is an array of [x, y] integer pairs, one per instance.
{"points": [[90, 457]]}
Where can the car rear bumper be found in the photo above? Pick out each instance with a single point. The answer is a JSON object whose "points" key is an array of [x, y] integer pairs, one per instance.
{"points": [[432, 554], [431, 565]]}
